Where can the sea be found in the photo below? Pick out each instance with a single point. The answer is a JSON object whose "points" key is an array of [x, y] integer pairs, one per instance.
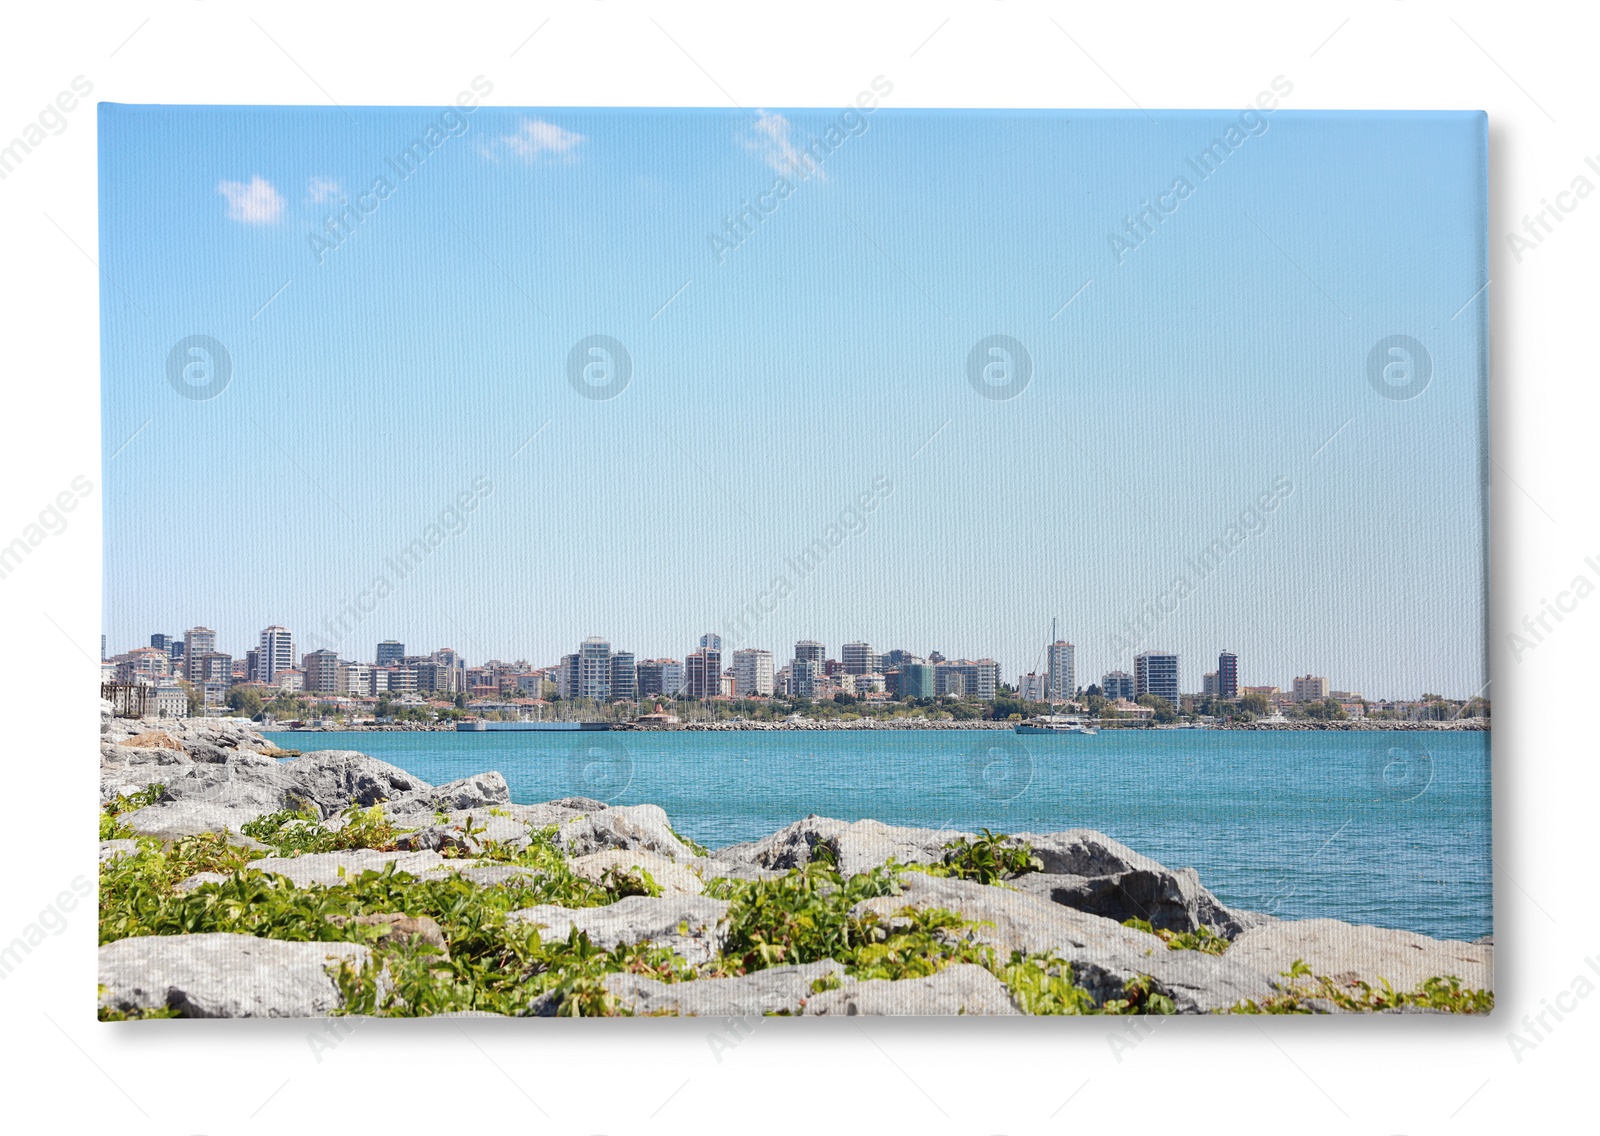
{"points": [[1386, 828]]}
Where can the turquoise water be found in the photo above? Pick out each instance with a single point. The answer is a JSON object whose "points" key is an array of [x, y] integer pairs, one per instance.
{"points": [[1384, 828]]}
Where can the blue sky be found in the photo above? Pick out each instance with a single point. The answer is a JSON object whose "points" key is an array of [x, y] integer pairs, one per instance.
{"points": [[773, 383]]}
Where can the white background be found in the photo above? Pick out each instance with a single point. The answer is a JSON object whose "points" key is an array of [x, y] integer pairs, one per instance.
{"points": [[1529, 66]]}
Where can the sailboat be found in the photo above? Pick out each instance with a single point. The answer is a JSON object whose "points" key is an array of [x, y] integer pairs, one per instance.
{"points": [[1053, 723]]}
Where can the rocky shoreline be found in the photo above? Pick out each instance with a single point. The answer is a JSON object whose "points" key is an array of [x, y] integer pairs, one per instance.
{"points": [[235, 883]]}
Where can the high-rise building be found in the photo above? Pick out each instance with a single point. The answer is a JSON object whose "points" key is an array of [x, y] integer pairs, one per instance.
{"points": [[594, 669], [897, 658], [1156, 672], [447, 656], [390, 653], [858, 658], [1062, 671], [804, 677], [321, 668], [624, 677], [752, 672], [1117, 684], [1227, 675], [660, 678], [1033, 687], [162, 642], [711, 640], [702, 672], [276, 653], [811, 651], [915, 680], [567, 677], [1211, 685], [213, 667], [196, 641], [967, 678], [1310, 688]]}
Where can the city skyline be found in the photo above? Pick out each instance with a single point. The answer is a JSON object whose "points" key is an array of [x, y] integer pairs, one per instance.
{"points": [[409, 441], [1166, 680]]}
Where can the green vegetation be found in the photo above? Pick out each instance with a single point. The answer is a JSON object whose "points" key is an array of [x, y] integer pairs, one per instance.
{"points": [[694, 845], [988, 859], [111, 828], [291, 832], [1202, 939], [1439, 993], [496, 965]]}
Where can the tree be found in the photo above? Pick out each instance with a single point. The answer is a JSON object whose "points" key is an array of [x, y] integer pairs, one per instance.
{"points": [[245, 700], [196, 701], [461, 700], [1254, 702], [1163, 709]]}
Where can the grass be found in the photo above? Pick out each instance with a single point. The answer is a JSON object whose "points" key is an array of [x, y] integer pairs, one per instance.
{"points": [[292, 832]]}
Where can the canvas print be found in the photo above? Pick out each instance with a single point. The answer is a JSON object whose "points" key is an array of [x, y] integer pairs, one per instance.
{"points": [[793, 561]]}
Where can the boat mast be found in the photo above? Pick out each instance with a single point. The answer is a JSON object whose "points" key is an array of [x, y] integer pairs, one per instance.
{"points": [[1050, 657]]}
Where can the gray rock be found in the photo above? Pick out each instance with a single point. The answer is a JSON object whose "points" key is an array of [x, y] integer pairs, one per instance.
{"points": [[856, 847], [333, 779], [469, 832], [224, 976], [960, 989], [191, 818], [244, 780], [331, 869], [1104, 954], [689, 924], [111, 849], [777, 990], [630, 828], [1349, 952], [477, 793], [1104, 877]]}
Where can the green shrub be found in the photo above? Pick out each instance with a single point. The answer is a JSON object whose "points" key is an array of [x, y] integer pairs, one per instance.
{"points": [[988, 859], [1202, 938], [111, 828], [1444, 993], [291, 832]]}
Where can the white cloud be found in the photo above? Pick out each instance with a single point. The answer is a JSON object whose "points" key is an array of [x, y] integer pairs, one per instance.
{"points": [[255, 204], [321, 189], [771, 141], [535, 137]]}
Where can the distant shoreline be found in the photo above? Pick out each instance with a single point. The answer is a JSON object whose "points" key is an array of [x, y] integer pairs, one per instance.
{"points": [[1475, 725]]}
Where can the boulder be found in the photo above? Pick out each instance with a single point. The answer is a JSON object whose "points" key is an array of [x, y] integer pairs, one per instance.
{"points": [[671, 877], [478, 794], [224, 976], [777, 990], [191, 818], [467, 832], [331, 869], [333, 779], [1350, 952], [631, 828], [856, 847], [1089, 871], [960, 989], [689, 924], [1104, 954]]}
